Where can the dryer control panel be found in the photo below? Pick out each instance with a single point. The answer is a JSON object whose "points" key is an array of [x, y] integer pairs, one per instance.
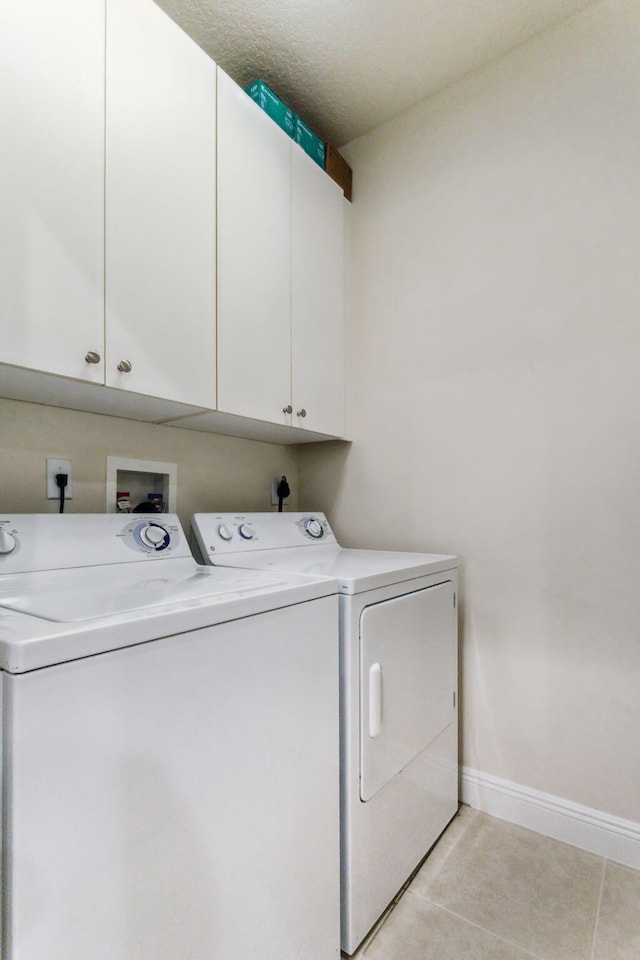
{"points": [[225, 533], [315, 527]]}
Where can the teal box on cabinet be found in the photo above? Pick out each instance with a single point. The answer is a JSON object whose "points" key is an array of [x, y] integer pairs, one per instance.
{"points": [[272, 105], [307, 139]]}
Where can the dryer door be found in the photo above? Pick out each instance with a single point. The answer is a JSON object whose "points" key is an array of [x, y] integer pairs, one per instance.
{"points": [[407, 680]]}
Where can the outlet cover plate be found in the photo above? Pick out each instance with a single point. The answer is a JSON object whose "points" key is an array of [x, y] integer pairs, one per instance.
{"points": [[55, 466]]}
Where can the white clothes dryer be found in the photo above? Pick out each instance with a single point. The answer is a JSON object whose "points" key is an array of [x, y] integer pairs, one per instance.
{"points": [[169, 749], [398, 692]]}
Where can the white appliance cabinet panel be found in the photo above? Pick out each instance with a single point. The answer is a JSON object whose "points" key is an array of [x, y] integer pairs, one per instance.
{"points": [[254, 259], [160, 207], [52, 193], [317, 298]]}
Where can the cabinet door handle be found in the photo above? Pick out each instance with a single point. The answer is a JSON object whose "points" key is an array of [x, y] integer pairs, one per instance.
{"points": [[301, 413], [92, 357], [125, 366], [287, 409]]}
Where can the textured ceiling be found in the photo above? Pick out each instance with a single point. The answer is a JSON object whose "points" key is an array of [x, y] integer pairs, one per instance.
{"points": [[346, 66]]}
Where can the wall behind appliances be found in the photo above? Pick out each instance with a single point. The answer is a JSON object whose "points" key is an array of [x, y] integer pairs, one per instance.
{"points": [[214, 472], [493, 363]]}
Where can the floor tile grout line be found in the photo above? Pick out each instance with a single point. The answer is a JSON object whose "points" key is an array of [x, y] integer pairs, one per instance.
{"points": [[452, 913], [595, 915], [594, 939]]}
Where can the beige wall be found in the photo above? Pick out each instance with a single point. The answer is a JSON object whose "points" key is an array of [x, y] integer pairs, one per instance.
{"points": [[214, 473], [493, 377]]}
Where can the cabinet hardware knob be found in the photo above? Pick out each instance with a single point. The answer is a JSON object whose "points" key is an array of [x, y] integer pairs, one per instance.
{"points": [[287, 409], [301, 413], [125, 366], [92, 357]]}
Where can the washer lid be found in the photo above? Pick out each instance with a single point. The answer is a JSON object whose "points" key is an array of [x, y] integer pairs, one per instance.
{"points": [[67, 596], [57, 616], [354, 570]]}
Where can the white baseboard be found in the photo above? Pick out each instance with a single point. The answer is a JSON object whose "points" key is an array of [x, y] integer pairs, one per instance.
{"points": [[599, 833]]}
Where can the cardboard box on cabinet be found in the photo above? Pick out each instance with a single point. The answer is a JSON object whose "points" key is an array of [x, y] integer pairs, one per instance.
{"points": [[310, 143], [272, 105], [324, 155], [339, 170]]}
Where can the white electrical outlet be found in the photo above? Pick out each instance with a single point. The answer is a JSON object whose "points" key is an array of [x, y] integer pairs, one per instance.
{"points": [[274, 493], [54, 467]]}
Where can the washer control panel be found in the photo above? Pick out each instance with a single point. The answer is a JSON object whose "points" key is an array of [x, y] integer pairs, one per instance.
{"points": [[30, 542], [226, 533]]}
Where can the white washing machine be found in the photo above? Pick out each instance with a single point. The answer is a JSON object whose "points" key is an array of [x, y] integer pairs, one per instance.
{"points": [[398, 670], [169, 749]]}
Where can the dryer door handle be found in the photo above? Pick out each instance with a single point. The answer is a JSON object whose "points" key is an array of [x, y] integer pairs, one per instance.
{"points": [[375, 699]]}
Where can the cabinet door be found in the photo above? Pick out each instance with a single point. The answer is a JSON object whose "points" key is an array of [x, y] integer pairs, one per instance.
{"points": [[254, 259], [52, 192], [317, 217], [160, 207]]}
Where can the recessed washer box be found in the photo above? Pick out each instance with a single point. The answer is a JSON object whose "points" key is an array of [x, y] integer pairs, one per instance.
{"points": [[141, 479]]}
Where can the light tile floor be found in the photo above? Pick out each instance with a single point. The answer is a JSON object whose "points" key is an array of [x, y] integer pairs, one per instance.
{"points": [[492, 891]]}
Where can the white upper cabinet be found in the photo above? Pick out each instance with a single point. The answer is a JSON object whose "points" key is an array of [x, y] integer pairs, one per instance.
{"points": [[254, 259], [160, 207], [52, 191], [167, 252], [153, 145], [280, 274], [317, 301]]}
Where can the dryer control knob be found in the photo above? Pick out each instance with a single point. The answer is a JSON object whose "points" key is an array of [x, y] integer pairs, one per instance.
{"points": [[224, 531], [314, 528], [246, 531], [7, 542]]}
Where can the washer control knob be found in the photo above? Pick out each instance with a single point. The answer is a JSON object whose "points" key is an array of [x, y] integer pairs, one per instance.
{"points": [[154, 535], [7, 542], [246, 531], [224, 531], [314, 528]]}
